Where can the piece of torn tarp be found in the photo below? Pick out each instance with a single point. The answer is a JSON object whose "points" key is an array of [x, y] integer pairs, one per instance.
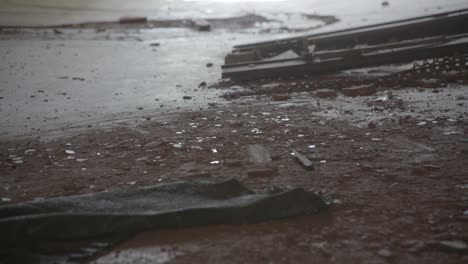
{"points": [[181, 204]]}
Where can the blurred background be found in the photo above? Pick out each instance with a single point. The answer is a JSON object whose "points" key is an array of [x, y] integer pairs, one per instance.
{"points": [[351, 12], [71, 63]]}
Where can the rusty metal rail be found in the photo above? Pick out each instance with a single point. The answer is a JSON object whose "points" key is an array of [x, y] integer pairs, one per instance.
{"points": [[421, 38], [441, 24]]}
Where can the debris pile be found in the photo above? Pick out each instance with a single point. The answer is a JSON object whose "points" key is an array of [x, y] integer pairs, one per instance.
{"points": [[395, 42]]}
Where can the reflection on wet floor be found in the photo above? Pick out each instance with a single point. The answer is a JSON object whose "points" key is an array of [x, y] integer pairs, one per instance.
{"points": [[153, 254]]}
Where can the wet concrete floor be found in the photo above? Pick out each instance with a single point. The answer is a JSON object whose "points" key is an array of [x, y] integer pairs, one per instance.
{"points": [[82, 78]]}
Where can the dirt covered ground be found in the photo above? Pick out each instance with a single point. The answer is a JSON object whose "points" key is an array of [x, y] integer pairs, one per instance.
{"points": [[392, 166]]}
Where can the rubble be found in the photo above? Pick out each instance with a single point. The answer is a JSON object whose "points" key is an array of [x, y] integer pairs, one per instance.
{"points": [[305, 162], [454, 245], [384, 253], [258, 154], [6, 200], [374, 45]]}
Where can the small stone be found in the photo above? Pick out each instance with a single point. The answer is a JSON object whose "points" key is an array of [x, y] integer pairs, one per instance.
{"points": [[235, 123], [454, 245], [153, 144], [202, 84], [385, 3], [186, 97], [462, 186], [156, 44], [29, 151], [6, 200], [69, 152], [384, 253], [209, 64], [18, 161], [325, 93]]}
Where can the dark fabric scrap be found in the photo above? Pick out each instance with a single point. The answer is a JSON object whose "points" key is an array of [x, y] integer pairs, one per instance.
{"points": [[181, 204]]}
